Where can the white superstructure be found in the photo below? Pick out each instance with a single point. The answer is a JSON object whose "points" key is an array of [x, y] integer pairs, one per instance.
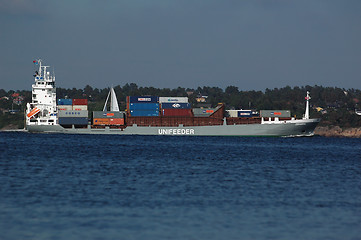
{"points": [[42, 110]]}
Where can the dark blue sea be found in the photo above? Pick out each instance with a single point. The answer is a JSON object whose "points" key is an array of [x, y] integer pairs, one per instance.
{"points": [[55, 186]]}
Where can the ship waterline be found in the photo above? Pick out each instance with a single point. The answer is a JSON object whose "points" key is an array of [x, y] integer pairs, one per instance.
{"points": [[284, 129]]}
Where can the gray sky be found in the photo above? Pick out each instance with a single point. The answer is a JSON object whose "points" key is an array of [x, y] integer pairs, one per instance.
{"points": [[251, 44]]}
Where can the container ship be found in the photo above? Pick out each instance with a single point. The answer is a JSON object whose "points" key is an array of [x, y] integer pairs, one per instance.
{"points": [[152, 115]]}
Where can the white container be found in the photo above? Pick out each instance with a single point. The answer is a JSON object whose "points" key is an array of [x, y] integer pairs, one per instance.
{"points": [[65, 107], [72, 113], [232, 113], [275, 113], [80, 107], [173, 99]]}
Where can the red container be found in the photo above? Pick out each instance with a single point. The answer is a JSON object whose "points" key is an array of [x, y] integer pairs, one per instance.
{"points": [[177, 112], [80, 101], [116, 121]]}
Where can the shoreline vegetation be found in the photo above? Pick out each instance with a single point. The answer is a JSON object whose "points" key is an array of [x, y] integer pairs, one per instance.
{"points": [[334, 106]]}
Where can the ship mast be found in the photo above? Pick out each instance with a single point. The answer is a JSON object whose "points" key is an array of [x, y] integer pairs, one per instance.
{"points": [[39, 61], [307, 112]]}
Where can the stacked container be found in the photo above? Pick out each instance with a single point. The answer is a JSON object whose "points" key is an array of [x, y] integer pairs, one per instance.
{"points": [[80, 104], [72, 117], [140, 106], [173, 100], [101, 118], [203, 112], [175, 106], [276, 113], [73, 112], [65, 104], [242, 113], [177, 112]]}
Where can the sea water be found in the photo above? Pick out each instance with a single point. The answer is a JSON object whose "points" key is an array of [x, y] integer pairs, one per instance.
{"points": [[55, 186]]}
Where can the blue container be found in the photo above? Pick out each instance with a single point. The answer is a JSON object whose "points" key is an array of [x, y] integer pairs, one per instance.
{"points": [[144, 106], [73, 120], [176, 105], [244, 113], [143, 99], [144, 113], [65, 101]]}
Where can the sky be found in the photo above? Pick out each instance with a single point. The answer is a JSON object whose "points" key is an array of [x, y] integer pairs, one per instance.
{"points": [[250, 44]]}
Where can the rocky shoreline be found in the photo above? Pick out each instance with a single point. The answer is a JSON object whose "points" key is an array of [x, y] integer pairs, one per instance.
{"points": [[336, 131], [9, 127]]}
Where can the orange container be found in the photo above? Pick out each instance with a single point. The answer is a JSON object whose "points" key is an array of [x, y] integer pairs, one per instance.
{"points": [[116, 121], [101, 121]]}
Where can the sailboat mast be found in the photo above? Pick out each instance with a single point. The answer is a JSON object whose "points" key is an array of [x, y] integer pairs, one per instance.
{"points": [[105, 105]]}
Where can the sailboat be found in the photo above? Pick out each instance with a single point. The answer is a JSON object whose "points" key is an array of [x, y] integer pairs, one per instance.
{"points": [[114, 106]]}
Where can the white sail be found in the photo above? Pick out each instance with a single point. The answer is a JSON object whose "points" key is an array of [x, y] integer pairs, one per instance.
{"points": [[113, 101], [114, 107]]}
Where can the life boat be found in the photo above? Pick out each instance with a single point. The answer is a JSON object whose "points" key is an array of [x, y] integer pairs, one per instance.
{"points": [[33, 112]]}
